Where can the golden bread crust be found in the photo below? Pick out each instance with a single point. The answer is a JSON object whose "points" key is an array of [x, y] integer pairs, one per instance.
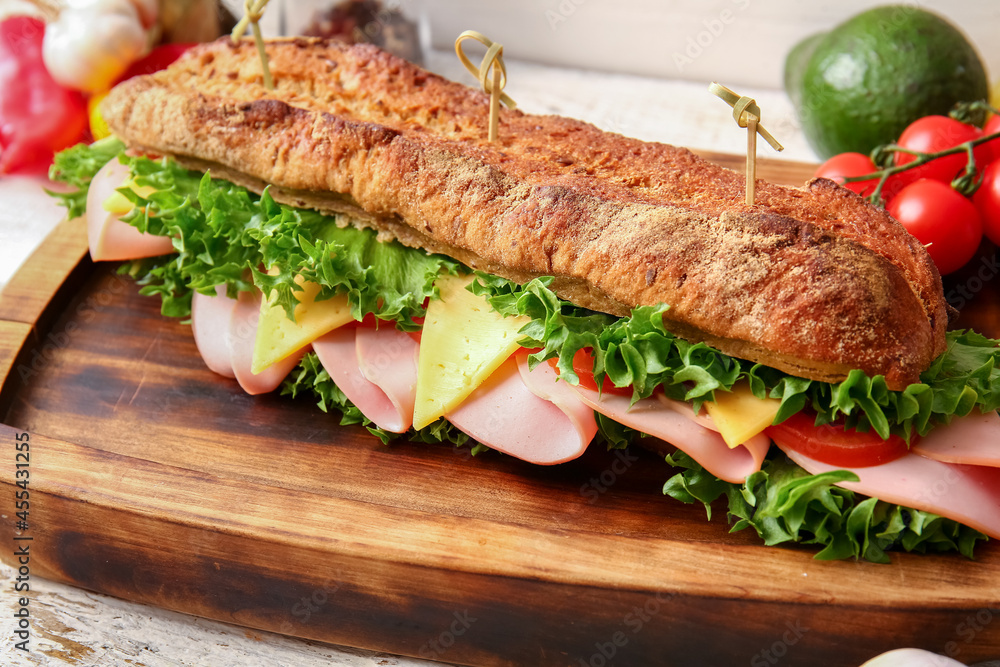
{"points": [[812, 281]]}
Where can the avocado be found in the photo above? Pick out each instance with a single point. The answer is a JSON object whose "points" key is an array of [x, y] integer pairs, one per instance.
{"points": [[859, 85]]}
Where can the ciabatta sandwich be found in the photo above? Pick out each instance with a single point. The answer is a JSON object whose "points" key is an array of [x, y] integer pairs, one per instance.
{"points": [[638, 261]]}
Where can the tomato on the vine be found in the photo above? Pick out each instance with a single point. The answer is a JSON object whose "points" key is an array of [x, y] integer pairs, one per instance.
{"points": [[991, 149], [833, 445], [848, 165], [932, 134], [942, 219], [987, 201]]}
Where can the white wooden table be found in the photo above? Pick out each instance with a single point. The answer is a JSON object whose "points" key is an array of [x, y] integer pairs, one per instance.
{"points": [[76, 627]]}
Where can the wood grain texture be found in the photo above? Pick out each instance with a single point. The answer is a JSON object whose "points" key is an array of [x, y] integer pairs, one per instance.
{"points": [[82, 629], [157, 481]]}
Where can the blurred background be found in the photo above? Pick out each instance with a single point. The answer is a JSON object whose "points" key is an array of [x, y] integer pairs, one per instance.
{"points": [[743, 41]]}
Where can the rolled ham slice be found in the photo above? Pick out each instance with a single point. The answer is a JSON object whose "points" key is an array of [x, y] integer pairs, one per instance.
{"points": [[544, 382], [242, 334], [394, 365], [110, 238], [504, 414], [210, 318], [387, 357], [968, 494], [972, 440], [681, 430]]}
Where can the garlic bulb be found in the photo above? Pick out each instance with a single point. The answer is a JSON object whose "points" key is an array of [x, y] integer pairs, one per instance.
{"points": [[93, 42], [911, 657]]}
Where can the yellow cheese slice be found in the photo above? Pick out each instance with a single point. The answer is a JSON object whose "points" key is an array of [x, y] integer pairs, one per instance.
{"points": [[739, 415], [278, 336], [119, 204], [462, 343]]}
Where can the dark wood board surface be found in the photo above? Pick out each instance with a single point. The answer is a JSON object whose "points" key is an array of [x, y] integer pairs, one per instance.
{"points": [[155, 480]]}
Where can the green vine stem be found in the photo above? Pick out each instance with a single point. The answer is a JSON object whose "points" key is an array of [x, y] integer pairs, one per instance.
{"points": [[966, 184]]}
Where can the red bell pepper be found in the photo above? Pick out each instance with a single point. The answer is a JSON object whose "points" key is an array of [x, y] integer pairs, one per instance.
{"points": [[37, 116], [159, 58]]}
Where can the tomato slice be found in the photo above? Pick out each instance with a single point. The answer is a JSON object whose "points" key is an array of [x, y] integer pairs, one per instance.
{"points": [[583, 365], [833, 445]]}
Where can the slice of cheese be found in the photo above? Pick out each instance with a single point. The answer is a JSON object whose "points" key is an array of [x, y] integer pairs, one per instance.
{"points": [[278, 337], [739, 415], [462, 343], [119, 204]]}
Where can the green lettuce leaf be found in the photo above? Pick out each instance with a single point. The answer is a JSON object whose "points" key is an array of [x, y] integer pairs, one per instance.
{"points": [[786, 505], [76, 166], [226, 235], [638, 351]]}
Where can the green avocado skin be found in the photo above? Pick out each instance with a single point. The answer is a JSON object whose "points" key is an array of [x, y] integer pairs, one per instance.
{"points": [[861, 84]]}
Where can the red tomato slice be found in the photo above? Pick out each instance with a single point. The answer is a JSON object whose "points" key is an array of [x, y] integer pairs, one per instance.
{"points": [[583, 365], [833, 445]]}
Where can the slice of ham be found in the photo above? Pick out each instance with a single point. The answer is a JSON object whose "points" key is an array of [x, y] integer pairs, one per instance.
{"points": [[504, 414], [968, 494], [702, 418], [210, 318], [972, 440], [387, 357], [110, 238], [359, 360], [242, 333], [682, 430], [544, 383]]}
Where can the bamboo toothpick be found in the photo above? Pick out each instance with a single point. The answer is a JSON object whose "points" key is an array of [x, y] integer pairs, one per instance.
{"points": [[747, 114], [491, 73], [253, 12]]}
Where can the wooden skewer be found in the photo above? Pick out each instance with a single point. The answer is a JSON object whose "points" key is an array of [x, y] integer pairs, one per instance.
{"points": [[747, 114], [492, 75], [751, 158], [253, 12], [495, 103]]}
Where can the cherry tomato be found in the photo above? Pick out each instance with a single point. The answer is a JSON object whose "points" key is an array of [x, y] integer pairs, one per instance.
{"points": [[991, 149], [942, 219], [987, 201], [833, 445], [931, 134], [847, 165]]}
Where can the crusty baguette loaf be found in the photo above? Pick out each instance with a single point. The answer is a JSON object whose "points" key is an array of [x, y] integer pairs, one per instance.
{"points": [[812, 281]]}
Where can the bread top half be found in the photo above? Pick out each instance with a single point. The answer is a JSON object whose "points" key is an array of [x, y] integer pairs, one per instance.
{"points": [[813, 281]]}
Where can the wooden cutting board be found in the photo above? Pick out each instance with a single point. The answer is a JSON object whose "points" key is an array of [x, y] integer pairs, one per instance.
{"points": [[154, 480]]}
